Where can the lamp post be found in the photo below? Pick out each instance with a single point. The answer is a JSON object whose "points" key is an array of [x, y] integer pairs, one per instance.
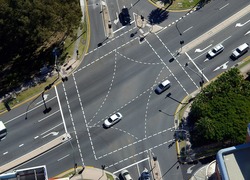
{"points": [[200, 75]]}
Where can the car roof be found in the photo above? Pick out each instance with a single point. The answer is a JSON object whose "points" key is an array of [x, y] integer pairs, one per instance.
{"points": [[217, 47], [114, 116], [243, 46], [166, 82]]}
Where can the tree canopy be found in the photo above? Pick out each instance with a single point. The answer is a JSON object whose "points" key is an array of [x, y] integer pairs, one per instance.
{"points": [[27, 29], [221, 112]]}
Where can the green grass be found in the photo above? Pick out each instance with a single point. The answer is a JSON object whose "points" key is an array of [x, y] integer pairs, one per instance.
{"points": [[109, 176], [246, 62], [178, 4]]}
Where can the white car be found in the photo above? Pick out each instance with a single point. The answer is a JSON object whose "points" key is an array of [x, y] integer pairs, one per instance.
{"points": [[112, 119], [215, 51], [125, 175], [239, 51], [163, 87]]}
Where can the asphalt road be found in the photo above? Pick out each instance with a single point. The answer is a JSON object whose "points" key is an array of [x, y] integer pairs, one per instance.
{"points": [[120, 74]]}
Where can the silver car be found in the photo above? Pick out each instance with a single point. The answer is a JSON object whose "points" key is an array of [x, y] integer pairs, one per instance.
{"points": [[125, 175], [112, 120], [215, 51], [163, 87]]}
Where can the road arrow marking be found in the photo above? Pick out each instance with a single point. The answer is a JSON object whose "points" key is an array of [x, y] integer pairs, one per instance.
{"points": [[240, 25], [200, 50], [248, 32], [189, 170], [52, 133], [45, 96], [223, 66], [206, 59]]}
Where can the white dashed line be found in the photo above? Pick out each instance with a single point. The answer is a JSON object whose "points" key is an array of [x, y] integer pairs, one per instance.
{"points": [[21, 145], [63, 157]]}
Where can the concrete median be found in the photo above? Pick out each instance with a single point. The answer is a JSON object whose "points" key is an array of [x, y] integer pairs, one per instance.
{"points": [[35, 153]]}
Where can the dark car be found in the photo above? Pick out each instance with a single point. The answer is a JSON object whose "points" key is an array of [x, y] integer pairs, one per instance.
{"points": [[124, 17]]}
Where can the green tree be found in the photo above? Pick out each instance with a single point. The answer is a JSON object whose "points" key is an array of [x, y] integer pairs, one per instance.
{"points": [[220, 113]]}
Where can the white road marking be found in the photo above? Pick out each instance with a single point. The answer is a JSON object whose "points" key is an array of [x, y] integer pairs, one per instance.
{"points": [[21, 145], [136, 163], [223, 66], [166, 66], [224, 6], [240, 25], [23, 114], [187, 29], [145, 151], [189, 170], [36, 137], [197, 67], [51, 129], [131, 144], [200, 50], [5, 153], [52, 133], [248, 32], [85, 122], [177, 62], [48, 116], [45, 96], [60, 107], [63, 157]]}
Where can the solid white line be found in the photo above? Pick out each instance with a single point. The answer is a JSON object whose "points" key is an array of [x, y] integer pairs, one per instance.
{"points": [[59, 103], [224, 6], [197, 67], [188, 29], [36, 137], [123, 27], [63, 157], [131, 165], [48, 116]]}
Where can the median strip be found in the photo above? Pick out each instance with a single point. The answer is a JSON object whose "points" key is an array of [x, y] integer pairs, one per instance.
{"points": [[216, 29], [34, 153]]}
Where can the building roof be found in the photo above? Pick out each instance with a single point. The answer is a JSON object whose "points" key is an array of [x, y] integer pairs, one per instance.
{"points": [[234, 162]]}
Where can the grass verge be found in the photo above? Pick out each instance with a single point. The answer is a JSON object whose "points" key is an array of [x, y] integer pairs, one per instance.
{"points": [[177, 4]]}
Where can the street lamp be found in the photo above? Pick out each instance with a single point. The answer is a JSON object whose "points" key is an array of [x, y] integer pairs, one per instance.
{"points": [[200, 75]]}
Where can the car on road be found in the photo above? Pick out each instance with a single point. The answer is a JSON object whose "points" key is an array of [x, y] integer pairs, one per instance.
{"points": [[124, 17], [125, 175], [162, 87], [239, 51], [112, 120], [215, 51]]}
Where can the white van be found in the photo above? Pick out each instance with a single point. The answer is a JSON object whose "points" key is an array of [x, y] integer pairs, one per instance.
{"points": [[239, 51]]}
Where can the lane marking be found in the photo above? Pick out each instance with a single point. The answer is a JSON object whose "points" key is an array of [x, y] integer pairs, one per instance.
{"points": [[135, 155], [197, 67], [176, 60], [21, 145], [51, 129], [166, 66], [224, 6], [60, 107], [240, 25], [5, 153], [187, 29], [23, 114], [63, 157], [200, 50], [136, 163], [85, 122], [48, 116], [131, 144]]}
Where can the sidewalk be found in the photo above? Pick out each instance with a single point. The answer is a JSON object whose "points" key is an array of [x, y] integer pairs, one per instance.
{"points": [[90, 173]]}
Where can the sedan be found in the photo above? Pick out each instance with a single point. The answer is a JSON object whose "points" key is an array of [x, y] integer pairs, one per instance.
{"points": [[163, 87], [125, 175], [215, 51], [112, 120]]}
